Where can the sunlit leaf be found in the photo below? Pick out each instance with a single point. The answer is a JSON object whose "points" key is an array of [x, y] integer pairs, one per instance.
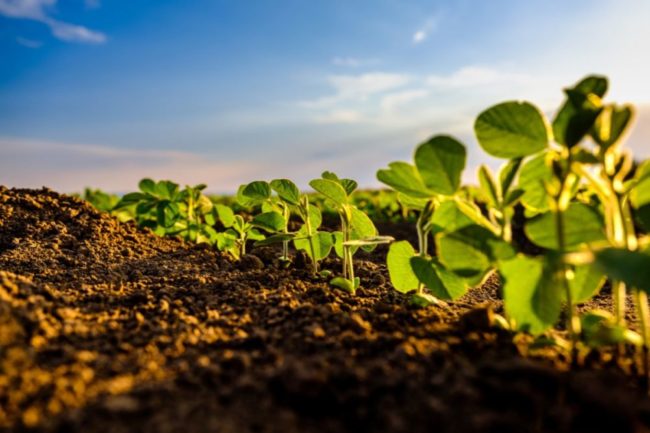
{"points": [[398, 262], [512, 130], [440, 162], [532, 297], [582, 224]]}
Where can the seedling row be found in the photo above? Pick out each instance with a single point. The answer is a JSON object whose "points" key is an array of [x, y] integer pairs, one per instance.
{"points": [[583, 200]]}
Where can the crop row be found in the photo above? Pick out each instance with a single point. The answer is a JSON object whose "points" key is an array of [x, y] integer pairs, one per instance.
{"points": [[583, 200]]}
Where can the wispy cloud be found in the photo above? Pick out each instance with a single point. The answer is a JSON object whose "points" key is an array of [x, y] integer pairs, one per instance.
{"points": [[35, 10], [92, 4], [340, 116], [357, 87], [353, 62], [470, 76], [29, 43], [392, 101], [425, 30]]}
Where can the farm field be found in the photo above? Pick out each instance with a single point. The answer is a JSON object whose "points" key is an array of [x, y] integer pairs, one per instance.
{"points": [[518, 304]]}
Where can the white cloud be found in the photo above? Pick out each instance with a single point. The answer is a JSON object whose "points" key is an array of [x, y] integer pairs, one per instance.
{"points": [[423, 32], [419, 36], [29, 43], [353, 62], [340, 116], [470, 76], [35, 10], [395, 100], [357, 88]]}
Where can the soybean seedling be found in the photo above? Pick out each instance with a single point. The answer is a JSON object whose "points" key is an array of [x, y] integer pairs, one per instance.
{"points": [[275, 212], [430, 187], [357, 230], [238, 231], [287, 201]]}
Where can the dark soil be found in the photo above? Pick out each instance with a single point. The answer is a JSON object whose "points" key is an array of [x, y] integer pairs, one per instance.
{"points": [[107, 328]]}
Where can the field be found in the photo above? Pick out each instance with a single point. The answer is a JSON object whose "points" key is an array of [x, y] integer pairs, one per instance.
{"points": [[516, 305]]}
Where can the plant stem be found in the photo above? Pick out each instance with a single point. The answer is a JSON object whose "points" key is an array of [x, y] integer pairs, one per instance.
{"points": [[506, 228], [314, 261], [643, 312], [571, 313], [285, 243], [346, 248]]}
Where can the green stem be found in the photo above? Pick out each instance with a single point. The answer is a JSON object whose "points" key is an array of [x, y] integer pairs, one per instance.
{"points": [[571, 313], [643, 312], [346, 238], [285, 243], [310, 234]]}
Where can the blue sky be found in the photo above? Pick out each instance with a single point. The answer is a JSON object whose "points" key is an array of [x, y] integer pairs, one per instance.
{"points": [[104, 92]]}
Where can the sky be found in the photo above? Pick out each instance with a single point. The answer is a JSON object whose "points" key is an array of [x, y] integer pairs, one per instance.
{"points": [[102, 93]]}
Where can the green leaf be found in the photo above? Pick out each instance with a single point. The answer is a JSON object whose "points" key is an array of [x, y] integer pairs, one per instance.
{"points": [[167, 213], [532, 298], [270, 221], [531, 179], [275, 239], [400, 271], [323, 242], [257, 191], [599, 329], [404, 177], [580, 110], [147, 186], [449, 217], [315, 217], [331, 190], [640, 194], [643, 217], [349, 185], [471, 251], [338, 243], [440, 162], [611, 124], [631, 267], [582, 224], [508, 173], [167, 189], [361, 224], [286, 190], [225, 214], [128, 200], [488, 186], [441, 282], [512, 130], [255, 235], [513, 197], [586, 282], [242, 199], [410, 202], [345, 284]]}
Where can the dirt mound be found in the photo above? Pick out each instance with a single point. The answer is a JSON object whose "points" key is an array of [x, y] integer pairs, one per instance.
{"points": [[105, 328]]}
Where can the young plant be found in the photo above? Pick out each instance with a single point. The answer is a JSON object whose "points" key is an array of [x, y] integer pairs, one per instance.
{"points": [[287, 201], [563, 217], [238, 232], [500, 196], [429, 186], [276, 212], [164, 208], [357, 230]]}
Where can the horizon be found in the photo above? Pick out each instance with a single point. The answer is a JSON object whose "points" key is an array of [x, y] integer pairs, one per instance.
{"points": [[101, 94]]}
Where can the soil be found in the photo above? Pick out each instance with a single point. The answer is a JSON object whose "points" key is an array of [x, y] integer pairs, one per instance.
{"points": [[108, 328]]}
